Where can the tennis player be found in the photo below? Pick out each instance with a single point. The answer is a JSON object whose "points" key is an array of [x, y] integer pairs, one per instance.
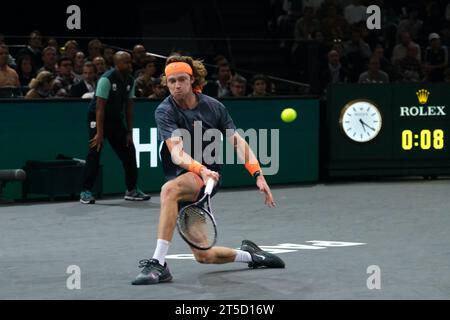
{"points": [[187, 177]]}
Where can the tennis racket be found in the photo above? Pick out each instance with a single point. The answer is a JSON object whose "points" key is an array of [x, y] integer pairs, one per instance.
{"points": [[196, 224]]}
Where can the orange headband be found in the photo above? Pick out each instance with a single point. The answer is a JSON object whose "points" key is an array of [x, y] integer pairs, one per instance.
{"points": [[178, 67]]}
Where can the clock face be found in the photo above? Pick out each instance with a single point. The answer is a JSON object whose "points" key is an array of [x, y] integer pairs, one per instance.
{"points": [[360, 120]]}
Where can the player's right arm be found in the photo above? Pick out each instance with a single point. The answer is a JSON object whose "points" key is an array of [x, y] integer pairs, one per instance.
{"points": [[185, 161], [247, 156], [245, 153]]}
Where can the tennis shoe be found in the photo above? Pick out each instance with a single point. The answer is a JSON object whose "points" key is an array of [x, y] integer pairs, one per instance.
{"points": [[261, 258], [136, 195], [152, 273], [86, 197]]}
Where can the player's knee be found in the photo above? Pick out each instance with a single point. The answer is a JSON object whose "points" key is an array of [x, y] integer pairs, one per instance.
{"points": [[169, 191], [204, 257]]}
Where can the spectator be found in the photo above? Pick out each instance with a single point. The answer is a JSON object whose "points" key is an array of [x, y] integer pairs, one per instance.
{"points": [[71, 49], [314, 4], [409, 67], [357, 45], [33, 49], [8, 76], [338, 4], [385, 64], [41, 87], [108, 55], [95, 49], [259, 85], [159, 91], [433, 21], [49, 60], [220, 87], [139, 56], [65, 79], [306, 25], [401, 48], [338, 45], [220, 59], [79, 62], [238, 86], [304, 29], [53, 43], [334, 72], [144, 81], [286, 22], [412, 25], [100, 65], [301, 53], [25, 70], [436, 59], [374, 74], [355, 12], [357, 53], [87, 84], [389, 39], [334, 26], [11, 60]]}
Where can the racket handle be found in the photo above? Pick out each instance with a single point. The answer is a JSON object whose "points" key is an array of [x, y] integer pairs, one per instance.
{"points": [[209, 186]]}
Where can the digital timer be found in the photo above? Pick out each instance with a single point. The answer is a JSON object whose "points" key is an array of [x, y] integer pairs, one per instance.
{"points": [[424, 140]]}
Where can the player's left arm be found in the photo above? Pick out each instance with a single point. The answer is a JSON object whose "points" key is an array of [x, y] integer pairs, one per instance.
{"points": [[246, 154]]}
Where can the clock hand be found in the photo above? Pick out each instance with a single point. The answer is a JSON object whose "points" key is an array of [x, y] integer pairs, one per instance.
{"points": [[365, 124], [362, 123]]}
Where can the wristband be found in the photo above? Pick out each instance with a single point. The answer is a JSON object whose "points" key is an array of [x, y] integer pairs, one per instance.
{"points": [[195, 167], [252, 168]]}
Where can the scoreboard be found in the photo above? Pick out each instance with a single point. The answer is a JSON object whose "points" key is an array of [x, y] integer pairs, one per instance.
{"points": [[388, 129]]}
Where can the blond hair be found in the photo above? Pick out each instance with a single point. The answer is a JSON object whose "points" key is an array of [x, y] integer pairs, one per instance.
{"points": [[42, 78], [198, 70], [71, 42]]}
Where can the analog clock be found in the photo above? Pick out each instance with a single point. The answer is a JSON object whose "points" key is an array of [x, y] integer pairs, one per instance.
{"points": [[360, 120]]}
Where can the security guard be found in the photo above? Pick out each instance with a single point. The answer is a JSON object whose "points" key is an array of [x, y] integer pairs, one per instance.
{"points": [[111, 116]]}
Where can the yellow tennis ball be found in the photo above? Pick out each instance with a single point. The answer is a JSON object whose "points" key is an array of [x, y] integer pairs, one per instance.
{"points": [[288, 115]]}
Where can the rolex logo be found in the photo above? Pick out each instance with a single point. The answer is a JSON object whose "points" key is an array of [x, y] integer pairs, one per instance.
{"points": [[423, 110], [423, 95]]}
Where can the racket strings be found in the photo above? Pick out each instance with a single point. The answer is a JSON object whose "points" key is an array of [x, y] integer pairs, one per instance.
{"points": [[197, 226]]}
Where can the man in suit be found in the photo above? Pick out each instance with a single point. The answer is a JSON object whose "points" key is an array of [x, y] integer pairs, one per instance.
{"points": [[87, 85], [334, 71]]}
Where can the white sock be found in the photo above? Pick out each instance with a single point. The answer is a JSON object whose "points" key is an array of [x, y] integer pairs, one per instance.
{"points": [[162, 247], [242, 256]]}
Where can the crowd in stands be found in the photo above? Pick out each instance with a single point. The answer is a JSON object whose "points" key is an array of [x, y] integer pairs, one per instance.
{"points": [[39, 71], [412, 45]]}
